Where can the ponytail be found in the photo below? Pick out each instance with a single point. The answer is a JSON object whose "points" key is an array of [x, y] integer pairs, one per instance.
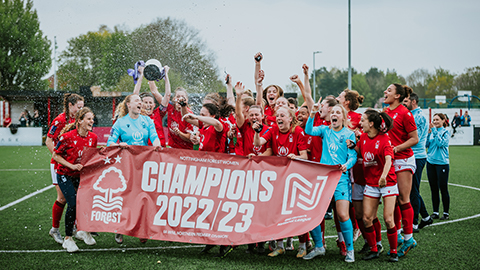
{"points": [[78, 117], [122, 108], [70, 98], [381, 121], [403, 90], [355, 99]]}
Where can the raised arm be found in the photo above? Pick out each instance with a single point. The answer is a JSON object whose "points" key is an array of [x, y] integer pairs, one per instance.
{"points": [[307, 92], [259, 88], [138, 86], [192, 119], [239, 117], [168, 90], [230, 97]]}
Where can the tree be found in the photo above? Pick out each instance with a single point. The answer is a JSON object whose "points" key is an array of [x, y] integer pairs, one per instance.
{"points": [[418, 81], [359, 83], [24, 50], [470, 80], [96, 58], [178, 45], [441, 83]]}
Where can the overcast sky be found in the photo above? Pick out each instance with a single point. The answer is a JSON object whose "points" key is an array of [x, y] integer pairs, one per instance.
{"points": [[402, 35]]}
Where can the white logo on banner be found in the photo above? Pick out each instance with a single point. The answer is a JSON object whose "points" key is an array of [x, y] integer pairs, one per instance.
{"points": [[108, 202], [295, 186]]}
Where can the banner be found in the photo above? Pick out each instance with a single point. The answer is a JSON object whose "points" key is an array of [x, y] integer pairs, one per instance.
{"points": [[201, 197]]}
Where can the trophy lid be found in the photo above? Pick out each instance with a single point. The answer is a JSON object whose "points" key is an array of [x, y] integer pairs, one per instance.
{"points": [[153, 70]]}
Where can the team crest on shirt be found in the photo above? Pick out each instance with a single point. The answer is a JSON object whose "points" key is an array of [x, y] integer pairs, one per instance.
{"points": [[309, 140], [369, 159], [137, 136], [290, 137], [395, 116], [377, 144], [282, 151], [174, 124]]}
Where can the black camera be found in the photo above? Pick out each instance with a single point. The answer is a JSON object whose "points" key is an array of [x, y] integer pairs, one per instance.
{"points": [[258, 58], [258, 129], [182, 103]]}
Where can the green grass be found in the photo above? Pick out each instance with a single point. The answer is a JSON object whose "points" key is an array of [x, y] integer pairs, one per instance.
{"points": [[25, 226]]}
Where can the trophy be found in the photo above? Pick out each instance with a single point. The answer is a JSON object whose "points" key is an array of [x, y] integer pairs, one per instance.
{"points": [[153, 70]]}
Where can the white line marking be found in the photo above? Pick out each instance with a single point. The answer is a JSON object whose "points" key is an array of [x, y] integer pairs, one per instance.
{"points": [[97, 249], [26, 197], [19, 170], [194, 246]]}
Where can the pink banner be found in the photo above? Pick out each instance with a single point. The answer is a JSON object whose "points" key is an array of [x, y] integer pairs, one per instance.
{"points": [[201, 197]]}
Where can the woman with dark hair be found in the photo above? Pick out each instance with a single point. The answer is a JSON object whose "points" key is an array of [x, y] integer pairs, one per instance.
{"points": [[179, 131], [210, 132], [72, 103], [438, 166], [148, 102], [68, 153], [377, 154], [403, 136]]}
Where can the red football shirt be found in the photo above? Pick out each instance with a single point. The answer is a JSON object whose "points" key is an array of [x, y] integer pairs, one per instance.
{"points": [[247, 134], [283, 144], [210, 139], [175, 121], [57, 125], [403, 123], [157, 118], [374, 150], [354, 120], [70, 146]]}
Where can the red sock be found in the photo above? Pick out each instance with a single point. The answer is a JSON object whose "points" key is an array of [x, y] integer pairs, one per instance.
{"points": [[57, 212], [303, 238], [397, 217], [378, 229], [407, 214], [322, 226], [352, 217], [370, 236], [392, 239], [361, 225]]}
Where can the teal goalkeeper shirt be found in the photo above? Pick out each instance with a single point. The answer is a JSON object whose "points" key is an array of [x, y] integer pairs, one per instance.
{"points": [[133, 131]]}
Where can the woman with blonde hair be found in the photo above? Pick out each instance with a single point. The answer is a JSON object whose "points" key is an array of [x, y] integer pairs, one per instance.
{"points": [[336, 152]]}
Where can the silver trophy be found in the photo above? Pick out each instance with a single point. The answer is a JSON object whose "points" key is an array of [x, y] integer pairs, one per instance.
{"points": [[154, 70]]}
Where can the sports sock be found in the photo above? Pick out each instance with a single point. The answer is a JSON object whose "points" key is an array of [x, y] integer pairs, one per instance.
{"points": [[397, 217], [347, 230], [280, 243], [407, 218], [57, 212], [317, 236], [303, 238], [352, 217], [361, 225], [302, 245], [392, 239], [378, 229], [370, 236]]}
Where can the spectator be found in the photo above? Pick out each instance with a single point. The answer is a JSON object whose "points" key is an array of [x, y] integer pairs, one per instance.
{"points": [[24, 118], [8, 121], [420, 154], [465, 119], [36, 119], [456, 122]]}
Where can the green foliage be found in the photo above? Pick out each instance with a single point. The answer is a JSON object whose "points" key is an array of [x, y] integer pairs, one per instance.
{"points": [[418, 80], [470, 80], [441, 83], [96, 58], [359, 83], [24, 51]]}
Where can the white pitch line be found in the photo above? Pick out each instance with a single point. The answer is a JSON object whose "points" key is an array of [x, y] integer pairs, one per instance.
{"points": [[177, 247], [26, 197], [18, 170]]}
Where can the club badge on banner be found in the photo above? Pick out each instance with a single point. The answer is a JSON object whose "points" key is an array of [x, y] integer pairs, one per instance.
{"points": [[200, 197]]}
